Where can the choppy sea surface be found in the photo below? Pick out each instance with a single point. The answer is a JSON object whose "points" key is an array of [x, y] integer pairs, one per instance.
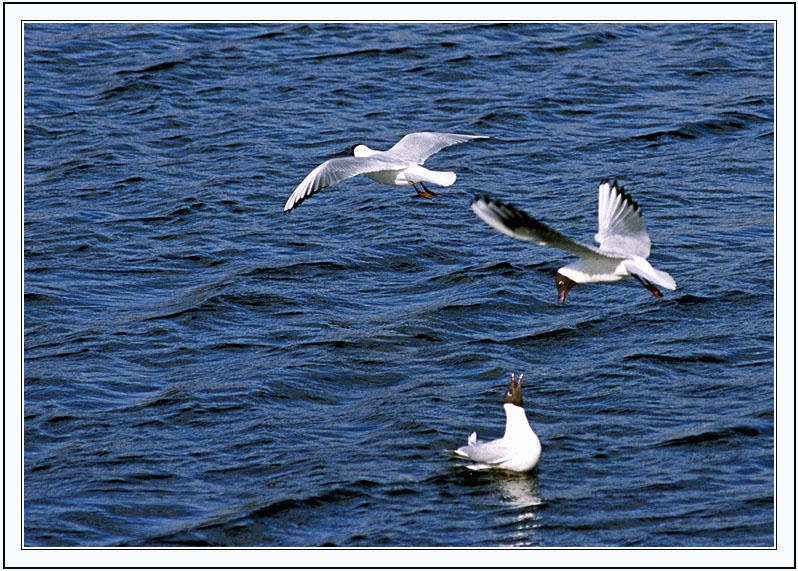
{"points": [[201, 369]]}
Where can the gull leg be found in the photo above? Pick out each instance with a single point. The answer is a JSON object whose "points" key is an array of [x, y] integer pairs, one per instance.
{"points": [[649, 286], [428, 190], [421, 193]]}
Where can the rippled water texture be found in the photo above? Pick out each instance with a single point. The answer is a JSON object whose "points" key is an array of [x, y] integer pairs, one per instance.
{"points": [[202, 369]]}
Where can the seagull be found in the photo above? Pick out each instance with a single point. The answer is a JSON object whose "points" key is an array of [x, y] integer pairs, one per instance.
{"points": [[518, 450], [623, 241], [399, 166]]}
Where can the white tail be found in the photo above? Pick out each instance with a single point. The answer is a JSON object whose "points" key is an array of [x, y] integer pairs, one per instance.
{"points": [[442, 178], [418, 173], [664, 279], [645, 270]]}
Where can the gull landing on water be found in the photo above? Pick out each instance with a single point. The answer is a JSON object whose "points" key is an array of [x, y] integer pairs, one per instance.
{"points": [[518, 450], [623, 241], [399, 166]]}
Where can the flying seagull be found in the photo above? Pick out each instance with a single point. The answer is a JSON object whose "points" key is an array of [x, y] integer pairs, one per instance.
{"points": [[399, 166], [623, 241]]}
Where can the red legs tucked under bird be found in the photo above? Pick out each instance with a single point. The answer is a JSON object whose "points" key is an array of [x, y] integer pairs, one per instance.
{"points": [[623, 241], [427, 194], [649, 286]]}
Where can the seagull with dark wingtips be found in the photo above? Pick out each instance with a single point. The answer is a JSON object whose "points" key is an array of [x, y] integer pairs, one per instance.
{"points": [[623, 241], [399, 166]]}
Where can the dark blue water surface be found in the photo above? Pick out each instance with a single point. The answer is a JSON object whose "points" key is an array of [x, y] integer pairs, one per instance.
{"points": [[203, 369]]}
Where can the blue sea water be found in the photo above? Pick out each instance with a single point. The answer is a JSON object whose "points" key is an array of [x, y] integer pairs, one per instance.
{"points": [[201, 369]]}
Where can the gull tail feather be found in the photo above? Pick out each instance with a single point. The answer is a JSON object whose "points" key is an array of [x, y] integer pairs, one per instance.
{"points": [[664, 279], [420, 174], [645, 270]]}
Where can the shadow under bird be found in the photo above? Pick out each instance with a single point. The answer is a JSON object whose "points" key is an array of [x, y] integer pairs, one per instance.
{"points": [[399, 166], [623, 241], [518, 450]]}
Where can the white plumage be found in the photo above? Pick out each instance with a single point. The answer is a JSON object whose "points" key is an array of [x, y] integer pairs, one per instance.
{"points": [[518, 450], [623, 241], [399, 166]]}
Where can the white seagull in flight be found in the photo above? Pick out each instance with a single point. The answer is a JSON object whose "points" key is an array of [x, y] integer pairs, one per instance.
{"points": [[400, 166], [623, 241]]}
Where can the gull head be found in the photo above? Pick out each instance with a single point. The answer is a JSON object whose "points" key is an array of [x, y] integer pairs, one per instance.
{"points": [[361, 150], [513, 394], [564, 285]]}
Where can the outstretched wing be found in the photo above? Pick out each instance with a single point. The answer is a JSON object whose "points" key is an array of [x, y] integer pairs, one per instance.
{"points": [[336, 170], [620, 225], [514, 222], [416, 147]]}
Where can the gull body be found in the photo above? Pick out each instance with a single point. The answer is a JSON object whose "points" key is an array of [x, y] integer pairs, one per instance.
{"points": [[623, 241], [398, 166], [517, 451]]}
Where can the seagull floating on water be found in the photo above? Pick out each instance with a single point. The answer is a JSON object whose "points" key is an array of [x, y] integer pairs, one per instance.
{"points": [[399, 166], [518, 450], [623, 241]]}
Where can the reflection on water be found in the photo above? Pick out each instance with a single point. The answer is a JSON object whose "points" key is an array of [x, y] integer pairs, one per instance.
{"points": [[520, 493]]}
